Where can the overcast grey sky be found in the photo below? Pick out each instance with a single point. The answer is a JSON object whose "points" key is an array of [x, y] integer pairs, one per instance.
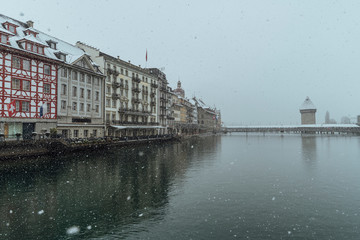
{"points": [[255, 60]]}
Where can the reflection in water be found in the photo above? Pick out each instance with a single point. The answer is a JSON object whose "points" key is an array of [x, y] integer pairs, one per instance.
{"points": [[100, 193], [308, 149]]}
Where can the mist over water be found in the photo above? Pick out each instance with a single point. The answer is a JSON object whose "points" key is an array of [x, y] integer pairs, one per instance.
{"points": [[222, 187]]}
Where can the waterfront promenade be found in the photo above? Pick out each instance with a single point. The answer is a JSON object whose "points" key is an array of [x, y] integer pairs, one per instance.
{"points": [[311, 128]]}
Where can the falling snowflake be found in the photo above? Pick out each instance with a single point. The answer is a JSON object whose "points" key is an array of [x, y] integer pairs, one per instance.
{"points": [[73, 230]]}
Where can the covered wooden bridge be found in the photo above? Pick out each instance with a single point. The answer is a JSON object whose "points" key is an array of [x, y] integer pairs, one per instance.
{"points": [[311, 129]]}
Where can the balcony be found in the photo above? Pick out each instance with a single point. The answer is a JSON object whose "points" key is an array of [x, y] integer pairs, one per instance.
{"points": [[163, 107], [109, 71], [163, 89], [146, 92], [122, 110], [115, 96], [126, 87], [154, 85], [152, 94], [135, 100], [116, 84], [152, 103], [136, 79], [162, 98], [136, 89], [116, 72], [170, 117]]}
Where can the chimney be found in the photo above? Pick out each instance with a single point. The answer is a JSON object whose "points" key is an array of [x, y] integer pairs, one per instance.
{"points": [[30, 23]]}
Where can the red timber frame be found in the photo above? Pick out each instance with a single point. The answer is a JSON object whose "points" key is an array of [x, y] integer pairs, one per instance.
{"points": [[36, 76]]}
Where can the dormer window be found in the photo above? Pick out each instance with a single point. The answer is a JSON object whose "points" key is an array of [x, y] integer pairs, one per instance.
{"points": [[10, 27], [61, 56], [52, 44], [30, 32], [31, 46]]}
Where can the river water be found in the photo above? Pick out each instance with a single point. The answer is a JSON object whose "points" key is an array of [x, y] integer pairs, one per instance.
{"points": [[220, 187]]}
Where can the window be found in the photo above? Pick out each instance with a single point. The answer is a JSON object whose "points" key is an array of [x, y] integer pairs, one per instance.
{"points": [[94, 133], [97, 82], [97, 108], [28, 46], [113, 117], [88, 79], [81, 107], [12, 29], [74, 75], [122, 71], [15, 83], [17, 106], [3, 38], [88, 108], [40, 50], [26, 65], [126, 72], [26, 85], [16, 62], [47, 69], [107, 102], [48, 107], [114, 103], [86, 133], [63, 72], [35, 48], [76, 133], [82, 92], [63, 89], [62, 57], [82, 77], [96, 96], [88, 94], [47, 88], [74, 91], [74, 106], [108, 117], [63, 104], [108, 90], [25, 106]]}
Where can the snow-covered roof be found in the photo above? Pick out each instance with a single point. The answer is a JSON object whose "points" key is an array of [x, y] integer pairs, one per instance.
{"points": [[72, 52], [5, 31], [307, 104], [20, 35]]}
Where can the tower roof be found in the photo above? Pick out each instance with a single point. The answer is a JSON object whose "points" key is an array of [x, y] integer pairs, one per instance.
{"points": [[307, 104]]}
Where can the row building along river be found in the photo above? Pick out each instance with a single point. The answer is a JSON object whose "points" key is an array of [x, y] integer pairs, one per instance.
{"points": [[77, 91]]}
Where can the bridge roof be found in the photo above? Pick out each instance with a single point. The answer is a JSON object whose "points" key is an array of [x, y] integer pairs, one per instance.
{"points": [[300, 126]]}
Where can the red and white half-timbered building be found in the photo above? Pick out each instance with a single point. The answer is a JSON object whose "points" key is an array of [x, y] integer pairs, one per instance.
{"points": [[28, 81]]}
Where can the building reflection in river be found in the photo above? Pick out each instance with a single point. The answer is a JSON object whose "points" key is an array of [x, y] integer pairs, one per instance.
{"points": [[100, 193], [309, 149]]}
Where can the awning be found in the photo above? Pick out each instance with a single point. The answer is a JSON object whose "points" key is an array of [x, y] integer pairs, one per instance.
{"points": [[136, 127]]}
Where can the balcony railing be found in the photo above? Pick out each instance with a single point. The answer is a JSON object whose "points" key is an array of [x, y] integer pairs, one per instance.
{"points": [[136, 89], [116, 84], [115, 96], [154, 85], [135, 100], [136, 79], [152, 103], [152, 94]]}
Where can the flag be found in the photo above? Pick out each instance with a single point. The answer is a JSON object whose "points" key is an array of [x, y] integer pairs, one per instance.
{"points": [[11, 108], [146, 56], [43, 109]]}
